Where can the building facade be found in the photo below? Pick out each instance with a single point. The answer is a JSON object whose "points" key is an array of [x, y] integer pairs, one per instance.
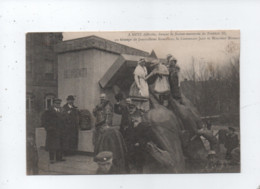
{"points": [[78, 67], [41, 74], [82, 63]]}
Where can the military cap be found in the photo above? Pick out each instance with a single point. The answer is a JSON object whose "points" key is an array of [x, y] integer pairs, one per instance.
{"points": [[70, 97], [103, 157], [211, 152], [103, 95], [128, 100], [57, 100]]}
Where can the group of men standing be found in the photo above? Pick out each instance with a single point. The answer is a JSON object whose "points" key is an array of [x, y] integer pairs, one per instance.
{"points": [[118, 142], [61, 125]]}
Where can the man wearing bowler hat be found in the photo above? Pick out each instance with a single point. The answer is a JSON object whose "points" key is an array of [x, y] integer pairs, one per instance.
{"points": [[71, 115], [53, 122]]}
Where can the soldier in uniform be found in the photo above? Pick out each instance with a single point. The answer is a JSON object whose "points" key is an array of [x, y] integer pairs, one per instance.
{"points": [[168, 57], [214, 165], [124, 109], [104, 115], [104, 111], [105, 163], [53, 122], [71, 114], [174, 79]]}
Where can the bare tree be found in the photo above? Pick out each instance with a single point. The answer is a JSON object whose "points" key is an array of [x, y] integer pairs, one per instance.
{"points": [[213, 89]]}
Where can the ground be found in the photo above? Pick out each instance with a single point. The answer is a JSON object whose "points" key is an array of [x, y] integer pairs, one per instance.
{"points": [[84, 164], [74, 165]]}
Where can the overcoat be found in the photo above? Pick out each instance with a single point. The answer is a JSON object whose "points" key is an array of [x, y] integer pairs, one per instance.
{"points": [[53, 122], [71, 116], [104, 114], [124, 110]]}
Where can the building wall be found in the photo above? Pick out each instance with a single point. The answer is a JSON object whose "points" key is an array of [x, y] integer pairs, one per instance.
{"points": [[79, 73], [41, 73]]}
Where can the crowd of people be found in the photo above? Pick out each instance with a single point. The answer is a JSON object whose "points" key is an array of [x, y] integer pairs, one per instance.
{"points": [[129, 148], [134, 131], [223, 137]]}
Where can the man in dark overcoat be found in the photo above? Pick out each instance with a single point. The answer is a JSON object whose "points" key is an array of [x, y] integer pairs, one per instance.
{"points": [[71, 114], [53, 122]]}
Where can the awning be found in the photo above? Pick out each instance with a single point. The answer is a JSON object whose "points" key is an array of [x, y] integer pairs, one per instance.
{"points": [[121, 72]]}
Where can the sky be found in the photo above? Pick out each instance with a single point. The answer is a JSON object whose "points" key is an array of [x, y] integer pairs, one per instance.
{"points": [[215, 46]]}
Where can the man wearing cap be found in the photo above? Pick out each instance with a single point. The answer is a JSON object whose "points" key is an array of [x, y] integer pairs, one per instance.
{"points": [[231, 142], [53, 122], [168, 57], [125, 109], [104, 160], [71, 114], [214, 165], [104, 115], [207, 133], [103, 112]]}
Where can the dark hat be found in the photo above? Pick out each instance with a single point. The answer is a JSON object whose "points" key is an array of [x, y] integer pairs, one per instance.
{"points": [[103, 157], [231, 128], [57, 100], [70, 97]]}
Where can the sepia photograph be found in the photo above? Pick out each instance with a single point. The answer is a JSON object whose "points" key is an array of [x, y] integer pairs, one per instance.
{"points": [[133, 102]]}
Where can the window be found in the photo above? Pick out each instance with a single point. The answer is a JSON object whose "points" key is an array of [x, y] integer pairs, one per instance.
{"points": [[48, 101], [49, 70]]}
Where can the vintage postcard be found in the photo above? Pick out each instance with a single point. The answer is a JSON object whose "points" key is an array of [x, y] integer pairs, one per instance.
{"points": [[133, 102]]}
